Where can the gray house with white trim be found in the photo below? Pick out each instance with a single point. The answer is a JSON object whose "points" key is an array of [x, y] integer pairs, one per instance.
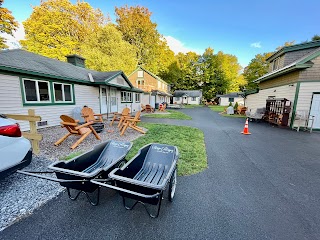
{"points": [[53, 87]]}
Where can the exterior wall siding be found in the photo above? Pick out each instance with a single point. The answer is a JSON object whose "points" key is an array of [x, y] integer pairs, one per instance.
{"points": [[258, 100], [289, 78], [305, 96], [11, 102], [290, 57], [197, 101], [312, 73], [176, 101], [145, 98], [224, 101]]}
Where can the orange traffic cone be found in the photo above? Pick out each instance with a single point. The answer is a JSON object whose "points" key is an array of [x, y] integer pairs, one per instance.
{"points": [[246, 128]]}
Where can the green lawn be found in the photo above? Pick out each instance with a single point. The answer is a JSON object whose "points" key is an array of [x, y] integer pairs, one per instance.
{"points": [[234, 115], [190, 143], [71, 155], [217, 108], [192, 106], [173, 115]]}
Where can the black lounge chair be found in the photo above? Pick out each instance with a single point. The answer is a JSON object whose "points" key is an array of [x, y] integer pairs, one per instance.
{"points": [[145, 177], [77, 172]]}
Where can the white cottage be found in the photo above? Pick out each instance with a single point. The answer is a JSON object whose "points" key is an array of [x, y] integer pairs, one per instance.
{"points": [[226, 99], [187, 97], [53, 88]]}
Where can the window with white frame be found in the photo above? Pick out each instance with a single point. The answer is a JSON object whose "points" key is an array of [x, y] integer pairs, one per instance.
{"points": [[137, 97], [62, 92], [177, 98], [140, 82], [140, 73], [126, 96], [276, 64], [193, 99], [36, 91]]}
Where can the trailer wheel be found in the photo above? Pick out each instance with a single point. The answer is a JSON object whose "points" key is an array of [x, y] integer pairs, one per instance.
{"points": [[172, 185]]}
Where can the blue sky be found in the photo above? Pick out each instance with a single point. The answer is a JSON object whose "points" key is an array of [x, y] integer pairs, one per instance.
{"points": [[242, 28]]}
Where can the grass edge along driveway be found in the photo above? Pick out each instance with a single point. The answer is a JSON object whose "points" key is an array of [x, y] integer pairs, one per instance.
{"points": [[189, 140], [173, 115], [220, 109]]}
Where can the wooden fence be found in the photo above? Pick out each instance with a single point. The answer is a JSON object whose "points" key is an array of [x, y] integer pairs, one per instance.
{"points": [[33, 134]]}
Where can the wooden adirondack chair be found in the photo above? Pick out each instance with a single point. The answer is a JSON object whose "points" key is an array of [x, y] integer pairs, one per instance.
{"points": [[143, 107], [96, 119], [119, 116], [89, 115], [131, 123], [75, 129], [163, 107], [149, 109]]}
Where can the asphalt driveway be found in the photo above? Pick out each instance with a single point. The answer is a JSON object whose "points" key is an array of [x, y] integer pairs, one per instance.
{"points": [[262, 186]]}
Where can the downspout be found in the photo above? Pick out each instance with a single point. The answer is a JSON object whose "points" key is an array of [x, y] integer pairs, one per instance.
{"points": [[293, 115], [109, 103]]}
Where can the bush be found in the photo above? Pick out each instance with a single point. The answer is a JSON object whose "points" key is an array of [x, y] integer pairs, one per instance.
{"points": [[230, 104], [235, 107]]}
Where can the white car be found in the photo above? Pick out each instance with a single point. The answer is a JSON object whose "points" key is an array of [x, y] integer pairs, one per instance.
{"points": [[15, 150]]}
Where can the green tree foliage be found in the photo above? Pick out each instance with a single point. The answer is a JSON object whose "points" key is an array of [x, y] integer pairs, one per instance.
{"points": [[219, 73], [257, 67], [7, 24], [105, 50], [182, 73], [138, 29], [57, 28], [316, 37]]}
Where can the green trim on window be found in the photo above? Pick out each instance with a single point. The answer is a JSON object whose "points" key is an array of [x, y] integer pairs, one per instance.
{"points": [[51, 103], [74, 95], [295, 105]]}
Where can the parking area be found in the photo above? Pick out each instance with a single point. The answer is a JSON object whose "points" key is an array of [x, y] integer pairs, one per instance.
{"points": [[259, 186]]}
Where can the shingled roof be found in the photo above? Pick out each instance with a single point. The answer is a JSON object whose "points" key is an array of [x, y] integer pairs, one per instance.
{"points": [[22, 61], [189, 93]]}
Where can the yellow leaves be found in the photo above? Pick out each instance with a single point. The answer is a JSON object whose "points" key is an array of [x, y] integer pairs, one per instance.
{"points": [[105, 50], [58, 27], [7, 24]]}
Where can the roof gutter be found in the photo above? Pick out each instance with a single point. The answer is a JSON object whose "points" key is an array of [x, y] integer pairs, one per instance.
{"points": [[282, 72]]}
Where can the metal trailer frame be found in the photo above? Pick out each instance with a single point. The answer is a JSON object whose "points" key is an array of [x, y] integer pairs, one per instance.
{"points": [[146, 176], [77, 172]]}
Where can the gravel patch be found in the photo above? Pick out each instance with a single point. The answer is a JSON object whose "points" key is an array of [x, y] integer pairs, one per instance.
{"points": [[52, 134], [20, 194]]}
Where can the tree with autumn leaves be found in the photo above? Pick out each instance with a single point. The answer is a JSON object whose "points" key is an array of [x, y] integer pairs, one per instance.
{"points": [[57, 28], [7, 24], [137, 28]]}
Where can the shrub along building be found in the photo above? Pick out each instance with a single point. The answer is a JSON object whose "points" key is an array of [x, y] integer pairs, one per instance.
{"points": [[53, 87], [294, 74], [155, 89]]}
